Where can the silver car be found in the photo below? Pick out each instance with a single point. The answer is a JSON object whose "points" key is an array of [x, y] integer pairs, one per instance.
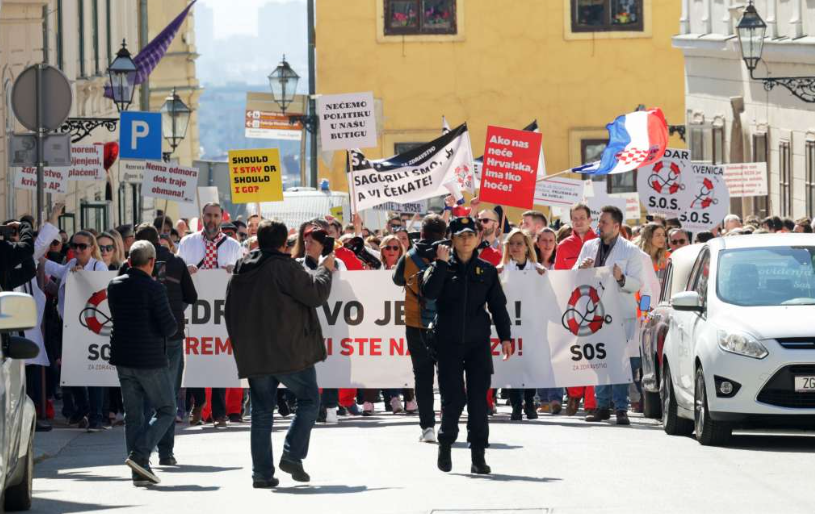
{"points": [[17, 312]]}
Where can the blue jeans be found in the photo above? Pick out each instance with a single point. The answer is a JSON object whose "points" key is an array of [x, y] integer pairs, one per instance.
{"points": [[263, 391], [175, 354], [617, 392], [138, 387], [330, 398], [551, 394]]}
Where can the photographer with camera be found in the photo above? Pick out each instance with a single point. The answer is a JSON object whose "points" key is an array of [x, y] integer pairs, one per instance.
{"points": [[462, 286], [16, 248], [419, 314]]}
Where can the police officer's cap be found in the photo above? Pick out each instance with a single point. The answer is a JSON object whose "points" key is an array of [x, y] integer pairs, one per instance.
{"points": [[463, 224]]}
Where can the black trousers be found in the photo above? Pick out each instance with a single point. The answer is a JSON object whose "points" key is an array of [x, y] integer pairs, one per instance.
{"points": [[218, 403], [455, 361], [424, 369], [517, 397]]}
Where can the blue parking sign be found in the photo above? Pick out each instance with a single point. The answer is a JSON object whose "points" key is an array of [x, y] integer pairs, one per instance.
{"points": [[140, 136]]}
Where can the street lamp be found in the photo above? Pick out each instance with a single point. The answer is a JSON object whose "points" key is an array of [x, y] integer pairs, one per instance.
{"points": [[122, 73], [175, 117], [751, 31], [283, 82]]}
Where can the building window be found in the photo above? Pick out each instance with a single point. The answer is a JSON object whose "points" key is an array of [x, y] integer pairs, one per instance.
{"points": [[785, 169], [414, 17], [718, 145], [606, 15], [95, 35], [81, 9], [809, 179], [760, 155], [399, 148], [592, 150]]}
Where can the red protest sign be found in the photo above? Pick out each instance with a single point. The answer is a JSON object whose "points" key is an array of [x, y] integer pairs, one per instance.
{"points": [[510, 167]]}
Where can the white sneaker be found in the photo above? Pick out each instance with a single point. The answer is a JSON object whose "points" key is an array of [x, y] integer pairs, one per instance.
{"points": [[412, 407], [428, 436], [367, 409], [331, 416], [396, 405]]}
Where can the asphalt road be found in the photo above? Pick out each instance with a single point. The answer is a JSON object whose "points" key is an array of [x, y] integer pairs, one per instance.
{"points": [[376, 465]]}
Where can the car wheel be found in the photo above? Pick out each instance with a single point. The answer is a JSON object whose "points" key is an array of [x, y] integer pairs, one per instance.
{"points": [[671, 422], [651, 405], [18, 497], [708, 431]]}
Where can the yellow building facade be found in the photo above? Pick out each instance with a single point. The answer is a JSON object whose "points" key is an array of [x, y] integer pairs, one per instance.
{"points": [[574, 65]]}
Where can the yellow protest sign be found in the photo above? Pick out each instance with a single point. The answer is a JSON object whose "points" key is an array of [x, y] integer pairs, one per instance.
{"points": [[255, 176], [336, 212]]}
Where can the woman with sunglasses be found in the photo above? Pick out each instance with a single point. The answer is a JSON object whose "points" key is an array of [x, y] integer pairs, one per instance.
{"points": [[520, 255], [546, 244], [88, 400], [109, 251]]}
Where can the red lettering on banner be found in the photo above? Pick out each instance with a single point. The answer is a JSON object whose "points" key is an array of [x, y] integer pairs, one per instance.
{"points": [[206, 346], [192, 346], [376, 350], [347, 348], [516, 348], [495, 344], [397, 346], [223, 346], [329, 346]]}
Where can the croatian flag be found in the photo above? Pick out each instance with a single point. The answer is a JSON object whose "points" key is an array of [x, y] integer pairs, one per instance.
{"points": [[634, 140]]}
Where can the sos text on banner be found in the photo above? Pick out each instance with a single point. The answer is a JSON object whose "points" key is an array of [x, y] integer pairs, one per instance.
{"points": [[347, 121], [510, 168], [255, 176], [566, 331], [422, 172], [665, 187], [710, 199], [169, 181]]}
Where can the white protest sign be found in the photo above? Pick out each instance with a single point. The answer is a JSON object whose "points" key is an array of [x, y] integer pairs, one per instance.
{"points": [[410, 207], [55, 179], [131, 172], [347, 121], [747, 179], [87, 163], [596, 204], [632, 205], [665, 187], [208, 194], [710, 199], [169, 181], [559, 192], [566, 331]]}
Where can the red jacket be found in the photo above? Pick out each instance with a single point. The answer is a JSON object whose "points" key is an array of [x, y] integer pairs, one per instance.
{"points": [[569, 249], [490, 255]]}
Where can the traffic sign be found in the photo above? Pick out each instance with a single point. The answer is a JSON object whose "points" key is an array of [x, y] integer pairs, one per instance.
{"points": [[140, 136], [55, 94], [23, 150]]}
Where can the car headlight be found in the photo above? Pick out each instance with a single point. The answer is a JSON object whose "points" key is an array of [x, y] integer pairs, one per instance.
{"points": [[741, 343]]}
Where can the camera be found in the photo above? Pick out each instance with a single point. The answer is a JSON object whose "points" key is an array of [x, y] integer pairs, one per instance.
{"points": [[428, 251], [357, 245], [7, 232]]}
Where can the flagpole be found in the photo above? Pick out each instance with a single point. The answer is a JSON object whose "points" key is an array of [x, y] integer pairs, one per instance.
{"points": [[547, 177], [354, 211]]}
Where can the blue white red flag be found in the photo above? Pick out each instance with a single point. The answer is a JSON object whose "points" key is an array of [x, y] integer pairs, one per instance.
{"points": [[149, 57], [634, 140]]}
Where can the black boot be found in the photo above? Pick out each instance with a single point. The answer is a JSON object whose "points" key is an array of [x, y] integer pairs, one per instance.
{"points": [[516, 413], [529, 410], [479, 464], [445, 461]]}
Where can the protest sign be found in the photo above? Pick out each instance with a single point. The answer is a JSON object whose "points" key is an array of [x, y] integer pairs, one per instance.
{"points": [[511, 159], [255, 176], [596, 203], [347, 121], [410, 207], [665, 186], [272, 125], [559, 192], [55, 179], [169, 181], [566, 331], [632, 205], [131, 172], [87, 163], [421, 172], [747, 179], [204, 195], [710, 199]]}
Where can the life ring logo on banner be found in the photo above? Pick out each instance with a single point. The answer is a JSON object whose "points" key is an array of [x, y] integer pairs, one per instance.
{"points": [[704, 198], [92, 318], [669, 182], [586, 314]]}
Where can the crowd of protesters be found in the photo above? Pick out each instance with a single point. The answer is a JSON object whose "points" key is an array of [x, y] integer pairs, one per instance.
{"points": [[42, 260]]}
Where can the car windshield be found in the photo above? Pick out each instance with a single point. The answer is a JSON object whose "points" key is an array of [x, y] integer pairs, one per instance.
{"points": [[776, 275]]}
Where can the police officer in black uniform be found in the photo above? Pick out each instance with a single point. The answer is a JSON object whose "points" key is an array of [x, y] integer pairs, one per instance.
{"points": [[462, 285]]}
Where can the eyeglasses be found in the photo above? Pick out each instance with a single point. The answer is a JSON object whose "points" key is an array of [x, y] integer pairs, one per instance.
{"points": [[106, 248], [485, 220], [678, 241], [242, 236], [80, 246], [389, 247]]}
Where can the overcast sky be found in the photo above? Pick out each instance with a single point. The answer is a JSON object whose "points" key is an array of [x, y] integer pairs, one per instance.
{"points": [[237, 16]]}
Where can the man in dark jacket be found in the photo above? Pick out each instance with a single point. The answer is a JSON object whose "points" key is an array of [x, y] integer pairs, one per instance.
{"points": [[462, 285], [14, 253], [175, 276], [142, 322], [271, 318]]}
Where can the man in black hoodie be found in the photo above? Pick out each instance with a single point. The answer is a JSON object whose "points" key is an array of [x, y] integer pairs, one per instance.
{"points": [[271, 318]]}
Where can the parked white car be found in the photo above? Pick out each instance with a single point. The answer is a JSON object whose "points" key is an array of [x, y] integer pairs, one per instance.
{"points": [[17, 414], [740, 350]]}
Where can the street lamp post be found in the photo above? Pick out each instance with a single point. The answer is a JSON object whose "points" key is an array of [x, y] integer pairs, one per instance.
{"points": [[751, 31], [175, 117]]}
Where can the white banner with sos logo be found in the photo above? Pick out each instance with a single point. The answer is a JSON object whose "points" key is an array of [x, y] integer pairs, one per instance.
{"points": [[665, 187], [710, 198], [566, 331]]}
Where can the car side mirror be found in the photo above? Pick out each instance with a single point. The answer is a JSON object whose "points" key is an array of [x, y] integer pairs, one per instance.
{"points": [[20, 348], [18, 311], [687, 301]]}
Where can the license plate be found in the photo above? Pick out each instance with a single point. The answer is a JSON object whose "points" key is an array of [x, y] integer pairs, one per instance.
{"points": [[805, 384]]}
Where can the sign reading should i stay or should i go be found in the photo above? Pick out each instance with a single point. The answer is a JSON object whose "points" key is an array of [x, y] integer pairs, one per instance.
{"points": [[510, 167], [347, 121], [255, 176]]}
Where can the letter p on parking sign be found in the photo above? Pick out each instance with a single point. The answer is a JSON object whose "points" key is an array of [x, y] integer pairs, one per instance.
{"points": [[140, 136]]}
